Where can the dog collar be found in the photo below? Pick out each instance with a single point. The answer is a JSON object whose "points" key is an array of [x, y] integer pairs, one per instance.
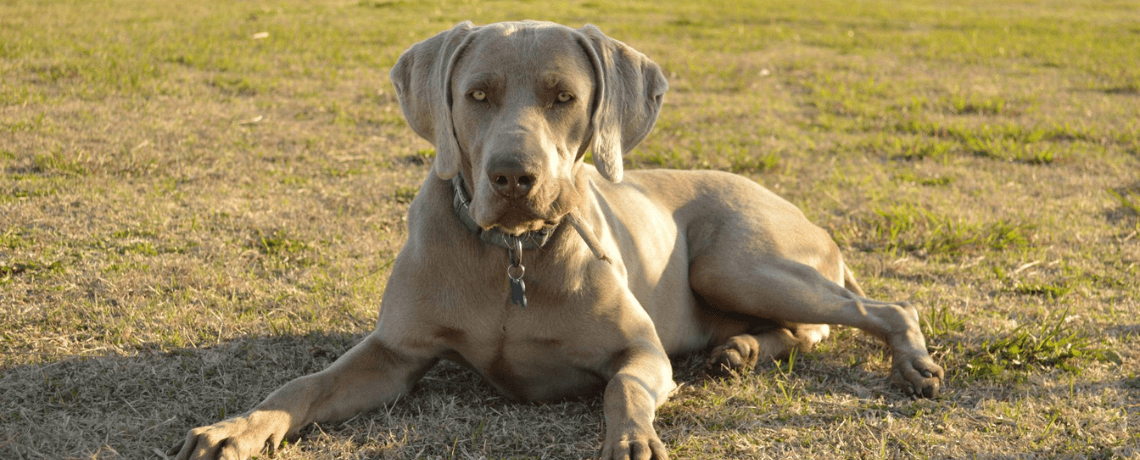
{"points": [[529, 240], [532, 240], [516, 244]]}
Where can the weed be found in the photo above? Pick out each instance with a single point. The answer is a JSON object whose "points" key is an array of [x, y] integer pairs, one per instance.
{"points": [[1129, 200], [907, 176], [974, 105], [921, 150], [941, 322], [133, 233], [9, 269], [1013, 150], [421, 157], [1067, 132], [14, 238], [140, 247], [278, 243], [1052, 291], [404, 194], [909, 228], [1130, 86], [743, 163], [1006, 235], [849, 98], [57, 162], [1006, 141], [1047, 344], [381, 3], [912, 149], [30, 125], [660, 157]]}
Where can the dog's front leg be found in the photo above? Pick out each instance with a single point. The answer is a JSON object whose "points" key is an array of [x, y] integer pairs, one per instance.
{"points": [[367, 376], [642, 382]]}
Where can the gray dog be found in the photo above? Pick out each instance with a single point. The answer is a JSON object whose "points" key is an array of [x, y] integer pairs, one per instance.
{"points": [[553, 277]]}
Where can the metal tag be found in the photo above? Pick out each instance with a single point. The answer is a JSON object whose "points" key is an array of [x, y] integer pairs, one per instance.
{"points": [[518, 292]]}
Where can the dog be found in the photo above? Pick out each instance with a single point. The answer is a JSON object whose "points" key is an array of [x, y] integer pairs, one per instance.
{"points": [[552, 277]]}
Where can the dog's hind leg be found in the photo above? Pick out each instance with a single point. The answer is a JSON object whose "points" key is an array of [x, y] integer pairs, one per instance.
{"points": [[742, 352], [785, 291]]}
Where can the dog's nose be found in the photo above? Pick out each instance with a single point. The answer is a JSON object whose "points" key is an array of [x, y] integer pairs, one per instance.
{"points": [[510, 179]]}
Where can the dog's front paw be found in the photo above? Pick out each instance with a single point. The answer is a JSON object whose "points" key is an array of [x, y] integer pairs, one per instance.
{"points": [[237, 438], [917, 376], [634, 444]]}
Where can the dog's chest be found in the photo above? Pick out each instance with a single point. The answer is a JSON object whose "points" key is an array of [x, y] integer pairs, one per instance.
{"points": [[532, 361]]}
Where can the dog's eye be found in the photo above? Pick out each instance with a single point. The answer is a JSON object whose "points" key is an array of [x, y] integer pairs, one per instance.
{"points": [[478, 95], [565, 97]]}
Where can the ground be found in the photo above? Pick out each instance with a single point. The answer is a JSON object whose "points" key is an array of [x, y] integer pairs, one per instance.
{"points": [[201, 202]]}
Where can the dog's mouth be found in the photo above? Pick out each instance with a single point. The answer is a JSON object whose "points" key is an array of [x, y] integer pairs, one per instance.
{"points": [[517, 220], [544, 208]]}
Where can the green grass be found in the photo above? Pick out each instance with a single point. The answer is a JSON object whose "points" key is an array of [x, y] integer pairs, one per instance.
{"points": [[200, 203], [908, 228], [1041, 345], [1129, 201]]}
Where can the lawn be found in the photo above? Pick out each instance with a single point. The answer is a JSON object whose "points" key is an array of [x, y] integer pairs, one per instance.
{"points": [[201, 201]]}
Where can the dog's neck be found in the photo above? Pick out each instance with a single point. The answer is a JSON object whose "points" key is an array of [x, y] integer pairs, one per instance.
{"points": [[462, 203], [515, 244]]}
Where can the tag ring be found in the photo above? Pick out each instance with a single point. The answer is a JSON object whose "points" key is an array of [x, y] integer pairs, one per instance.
{"points": [[521, 270]]}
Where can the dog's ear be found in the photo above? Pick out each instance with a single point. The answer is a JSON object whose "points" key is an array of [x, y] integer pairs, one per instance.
{"points": [[422, 77], [627, 100]]}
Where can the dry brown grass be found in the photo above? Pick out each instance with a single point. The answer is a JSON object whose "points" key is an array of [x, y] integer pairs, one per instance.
{"points": [[191, 216]]}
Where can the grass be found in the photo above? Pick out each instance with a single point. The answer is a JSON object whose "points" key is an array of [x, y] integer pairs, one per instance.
{"points": [[908, 228], [1049, 343], [200, 204]]}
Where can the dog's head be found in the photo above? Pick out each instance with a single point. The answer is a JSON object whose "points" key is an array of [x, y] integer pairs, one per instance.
{"points": [[513, 107]]}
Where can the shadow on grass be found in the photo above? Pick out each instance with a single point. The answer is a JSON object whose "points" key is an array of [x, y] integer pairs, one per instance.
{"points": [[114, 406], [835, 408], [137, 406]]}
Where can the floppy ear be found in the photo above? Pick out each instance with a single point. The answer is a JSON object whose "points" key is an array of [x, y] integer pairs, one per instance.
{"points": [[627, 101], [422, 77]]}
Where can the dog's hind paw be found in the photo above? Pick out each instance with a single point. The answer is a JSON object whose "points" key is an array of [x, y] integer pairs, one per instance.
{"points": [[739, 353]]}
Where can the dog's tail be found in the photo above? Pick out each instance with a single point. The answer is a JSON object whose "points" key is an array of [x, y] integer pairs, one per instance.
{"points": [[849, 281]]}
